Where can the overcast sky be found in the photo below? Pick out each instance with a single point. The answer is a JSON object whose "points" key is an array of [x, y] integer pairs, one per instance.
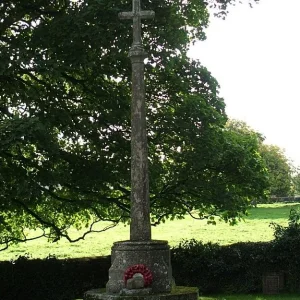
{"points": [[255, 56]]}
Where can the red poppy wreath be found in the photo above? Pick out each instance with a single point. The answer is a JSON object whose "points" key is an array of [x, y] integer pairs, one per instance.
{"points": [[142, 269]]}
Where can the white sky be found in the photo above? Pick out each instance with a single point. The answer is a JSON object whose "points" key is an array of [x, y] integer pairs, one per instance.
{"points": [[255, 56]]}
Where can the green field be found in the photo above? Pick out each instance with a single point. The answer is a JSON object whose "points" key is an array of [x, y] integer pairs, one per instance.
{"points": [[255, 227]]}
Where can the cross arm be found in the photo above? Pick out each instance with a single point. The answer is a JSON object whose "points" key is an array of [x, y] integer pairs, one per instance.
{"points": [[147, 14]]}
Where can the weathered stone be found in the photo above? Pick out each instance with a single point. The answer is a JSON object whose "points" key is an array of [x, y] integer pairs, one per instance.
{"points": [[154, 254], [136, 292], [177, 293], [140, 227], [136, 282]]}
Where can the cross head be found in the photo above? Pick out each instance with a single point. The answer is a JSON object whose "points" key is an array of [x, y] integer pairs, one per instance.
{"points": [[137, 15]]}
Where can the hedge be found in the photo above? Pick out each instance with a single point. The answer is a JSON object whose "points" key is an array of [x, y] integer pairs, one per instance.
{"points": [[51, 279]]}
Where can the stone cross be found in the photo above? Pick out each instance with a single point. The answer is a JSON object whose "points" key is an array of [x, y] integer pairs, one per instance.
{"points": [[140, 226], [137, 15]]}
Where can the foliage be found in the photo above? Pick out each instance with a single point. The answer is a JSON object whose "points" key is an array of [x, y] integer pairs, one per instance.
{"points": [[245, 144], [285, 248], [279, 170], [238, 268], [227, 269], [65, 119], [51, 278], [296, 182], [243, 128], [278, 167], [292, 231]]}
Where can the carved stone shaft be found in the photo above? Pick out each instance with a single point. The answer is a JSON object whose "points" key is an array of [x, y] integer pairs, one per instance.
{"points": [[140, 227]]}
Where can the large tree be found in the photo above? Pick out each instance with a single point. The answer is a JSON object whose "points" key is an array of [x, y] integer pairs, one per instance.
{"points": [[65, 119]]}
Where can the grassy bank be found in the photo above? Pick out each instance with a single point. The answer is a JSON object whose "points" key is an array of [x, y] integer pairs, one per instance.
{"points": [[255, 227]]}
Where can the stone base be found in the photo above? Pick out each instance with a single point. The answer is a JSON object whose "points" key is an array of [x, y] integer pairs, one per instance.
{"points": [[136, 292], [155, 255], [177, 293]]}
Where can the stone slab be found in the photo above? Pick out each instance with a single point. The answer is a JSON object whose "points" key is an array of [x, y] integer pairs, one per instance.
{"points": [[177, 293], [271, 283]]}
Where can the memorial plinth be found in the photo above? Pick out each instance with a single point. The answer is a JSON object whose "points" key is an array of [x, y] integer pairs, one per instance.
{"points": [[153, 254]]}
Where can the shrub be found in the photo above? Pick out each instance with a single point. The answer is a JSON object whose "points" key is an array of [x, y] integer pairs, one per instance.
{"points": [[239, 268], [215, 268], [285, 249], [197, 264]]}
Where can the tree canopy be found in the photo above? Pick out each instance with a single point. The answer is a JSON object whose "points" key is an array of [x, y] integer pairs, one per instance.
{"points": [[296, 182], [279, 170], [65, 119]]}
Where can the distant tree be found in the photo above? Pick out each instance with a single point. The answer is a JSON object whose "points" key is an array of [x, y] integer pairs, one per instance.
{"points": [[279, 170], [296, 183], [243, 128], [247, 137]]}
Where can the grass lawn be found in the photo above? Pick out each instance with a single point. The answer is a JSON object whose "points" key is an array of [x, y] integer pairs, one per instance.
{"points": [[255, 227], [253, 297]]}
